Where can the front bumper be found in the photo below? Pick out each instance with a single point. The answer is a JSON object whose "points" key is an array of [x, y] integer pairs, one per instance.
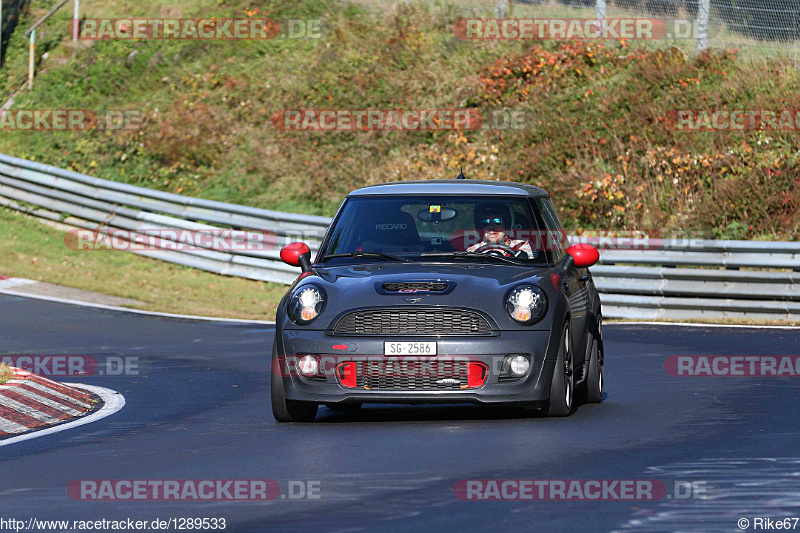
{"points": [[539, 346]]}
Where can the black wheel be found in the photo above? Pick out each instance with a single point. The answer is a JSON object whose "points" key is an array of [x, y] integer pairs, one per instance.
{"points": [[562, 388], [289, 410], [591, 388], [594, 374], [344, 406]]}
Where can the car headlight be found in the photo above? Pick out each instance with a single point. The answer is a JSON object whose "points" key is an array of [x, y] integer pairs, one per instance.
{"points": [[526, 304], [306, 304]]}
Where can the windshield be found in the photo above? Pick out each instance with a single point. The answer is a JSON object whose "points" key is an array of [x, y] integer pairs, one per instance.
{"points": [[441, 227]]}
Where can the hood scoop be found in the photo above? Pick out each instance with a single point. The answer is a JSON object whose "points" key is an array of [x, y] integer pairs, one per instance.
{"points": [[415, 287]]}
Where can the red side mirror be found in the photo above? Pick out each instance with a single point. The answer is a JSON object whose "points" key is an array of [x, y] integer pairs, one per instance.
{"points": [[585, 255], [297, 254]]}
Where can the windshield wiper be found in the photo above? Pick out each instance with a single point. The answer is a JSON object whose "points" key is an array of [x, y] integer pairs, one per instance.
{"points": [[360, 254], [472, 255]]}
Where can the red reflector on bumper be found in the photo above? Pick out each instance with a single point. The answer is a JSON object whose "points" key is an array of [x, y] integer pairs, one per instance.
{"points": [[476, 375], [347, 374]]}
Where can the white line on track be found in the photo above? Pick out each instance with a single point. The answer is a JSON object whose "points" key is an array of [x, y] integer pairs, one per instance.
{"points": [[695, 325], [14, 282], [113, 402]]}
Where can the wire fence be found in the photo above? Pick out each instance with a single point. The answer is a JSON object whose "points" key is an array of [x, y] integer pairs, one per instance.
{"points": [[757, 28]]}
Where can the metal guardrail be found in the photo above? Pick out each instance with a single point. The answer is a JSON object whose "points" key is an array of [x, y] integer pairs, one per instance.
{"points": [[702, 279], [691, 293], [676, 280], [79, 201]]}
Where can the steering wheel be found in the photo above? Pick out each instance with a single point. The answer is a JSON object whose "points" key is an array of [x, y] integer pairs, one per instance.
{"points": [[498, 249]]}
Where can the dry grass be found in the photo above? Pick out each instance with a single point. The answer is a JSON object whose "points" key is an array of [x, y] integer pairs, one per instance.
{"points": [[29, 249], [5, 373]]}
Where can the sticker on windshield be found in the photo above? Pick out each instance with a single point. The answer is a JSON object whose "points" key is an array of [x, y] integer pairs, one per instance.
{"points": [[435, 209]]}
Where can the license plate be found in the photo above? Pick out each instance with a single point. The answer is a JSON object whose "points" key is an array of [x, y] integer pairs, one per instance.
{"points": [[409, 348]]}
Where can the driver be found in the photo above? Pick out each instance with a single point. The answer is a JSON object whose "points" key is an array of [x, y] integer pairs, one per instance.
{"points": [[494, 221]]}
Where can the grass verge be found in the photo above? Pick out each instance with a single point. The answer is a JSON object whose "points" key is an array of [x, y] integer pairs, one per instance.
{"points": [[32, 250]]}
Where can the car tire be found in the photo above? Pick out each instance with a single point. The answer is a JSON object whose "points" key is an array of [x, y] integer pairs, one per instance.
{"points": [[562, 387], [595, 375], [344, 406], [289, 410]]}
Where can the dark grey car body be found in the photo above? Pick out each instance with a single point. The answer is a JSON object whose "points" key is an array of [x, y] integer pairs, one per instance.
{"points": [[474, 287]]}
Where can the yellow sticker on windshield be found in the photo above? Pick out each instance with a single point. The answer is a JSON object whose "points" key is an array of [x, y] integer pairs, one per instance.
{"points": [[436, 209]]}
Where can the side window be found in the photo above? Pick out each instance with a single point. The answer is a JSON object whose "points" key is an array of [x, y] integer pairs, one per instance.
{"points": [[556, 238]]}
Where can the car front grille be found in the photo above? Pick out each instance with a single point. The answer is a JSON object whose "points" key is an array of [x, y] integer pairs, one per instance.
{"points": [[411, 375], [416, 286], [413, 322]]}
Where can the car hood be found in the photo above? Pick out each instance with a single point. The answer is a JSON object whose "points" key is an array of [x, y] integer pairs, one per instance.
{"points": [[477, 286]]}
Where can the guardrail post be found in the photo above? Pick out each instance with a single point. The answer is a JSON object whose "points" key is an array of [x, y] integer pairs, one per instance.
{"points": [[32, 32], [500, 8], [600, 10], [703, 9], [30, 59], [75, 17]]}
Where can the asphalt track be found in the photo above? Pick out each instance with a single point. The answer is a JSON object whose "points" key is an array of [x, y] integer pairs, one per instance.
{"points": [[200, 410]]}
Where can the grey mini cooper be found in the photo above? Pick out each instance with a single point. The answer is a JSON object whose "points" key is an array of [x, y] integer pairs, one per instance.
{"points": [[445, 291]]}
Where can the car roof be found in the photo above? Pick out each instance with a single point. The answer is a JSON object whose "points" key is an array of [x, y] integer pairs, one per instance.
{"points": [[452, 187]]}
